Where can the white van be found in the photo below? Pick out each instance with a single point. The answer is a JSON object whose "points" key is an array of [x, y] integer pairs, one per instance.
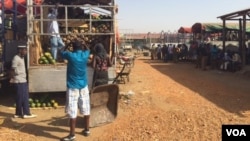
{"points": [[127, 47]]}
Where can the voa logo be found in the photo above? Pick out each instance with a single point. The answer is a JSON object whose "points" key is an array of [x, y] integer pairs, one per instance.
{"points": [[236, 132]]}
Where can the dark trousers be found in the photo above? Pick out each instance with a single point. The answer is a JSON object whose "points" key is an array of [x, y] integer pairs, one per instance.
{"points": [[204, 62], [100, 78], [159, 56], [22, 99], [198, 61]]}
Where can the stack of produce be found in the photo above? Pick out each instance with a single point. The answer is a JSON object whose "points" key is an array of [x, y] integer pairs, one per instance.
{"points": [[46, 59], [42, 102]]}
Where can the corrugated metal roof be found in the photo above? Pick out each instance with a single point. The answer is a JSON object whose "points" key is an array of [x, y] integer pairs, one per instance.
{"points": [[235, 15], [185, 30], [216, 27]]}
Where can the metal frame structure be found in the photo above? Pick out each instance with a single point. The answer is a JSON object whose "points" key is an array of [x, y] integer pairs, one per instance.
{"points": [[242, 17]]}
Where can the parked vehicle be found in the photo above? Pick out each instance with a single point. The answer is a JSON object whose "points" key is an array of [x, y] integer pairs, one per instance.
{"points": [[97, 22], [44, 76], [127, 47]]}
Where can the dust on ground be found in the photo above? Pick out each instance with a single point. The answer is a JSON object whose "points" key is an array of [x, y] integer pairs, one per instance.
{"points": [[162, 101]]}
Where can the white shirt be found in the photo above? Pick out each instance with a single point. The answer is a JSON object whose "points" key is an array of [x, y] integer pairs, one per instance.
{"points": [[53, 26], [0, 15], [18, 66], [170, 49], [236, 58]]}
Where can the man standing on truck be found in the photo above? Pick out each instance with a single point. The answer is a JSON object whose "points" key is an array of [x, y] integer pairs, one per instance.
{"points": [[18, 78], [53, 28], [77, 95]]}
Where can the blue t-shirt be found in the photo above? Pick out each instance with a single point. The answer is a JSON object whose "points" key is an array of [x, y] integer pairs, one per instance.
{"points": [[77, 76]]}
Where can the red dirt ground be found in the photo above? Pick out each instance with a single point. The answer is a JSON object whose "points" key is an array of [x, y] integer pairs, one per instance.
{"points": [[170, 102]]}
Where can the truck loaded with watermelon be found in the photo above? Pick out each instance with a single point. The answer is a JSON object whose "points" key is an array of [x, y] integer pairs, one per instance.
{"points": [[86, 20]]}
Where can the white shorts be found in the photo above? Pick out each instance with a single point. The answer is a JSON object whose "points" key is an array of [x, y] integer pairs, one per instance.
{"points": [[77, 98]]}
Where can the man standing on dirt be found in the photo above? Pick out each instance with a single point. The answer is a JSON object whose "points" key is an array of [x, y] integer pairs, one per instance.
{"points": [[101, 62], [77, 95], [18, 78]]}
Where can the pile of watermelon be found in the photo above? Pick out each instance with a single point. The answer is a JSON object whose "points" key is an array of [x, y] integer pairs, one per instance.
{"points": [[42, 103], [46, 59]]}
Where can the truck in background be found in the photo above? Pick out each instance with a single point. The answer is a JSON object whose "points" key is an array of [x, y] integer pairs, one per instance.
{"points": [[97, 21], [127, 47]]}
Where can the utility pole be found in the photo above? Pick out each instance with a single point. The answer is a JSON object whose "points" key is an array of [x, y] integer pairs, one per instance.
{"points": [[149, 39]]}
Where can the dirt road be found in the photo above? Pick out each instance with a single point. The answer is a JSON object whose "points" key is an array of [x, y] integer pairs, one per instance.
{"points": [[170, 102]]}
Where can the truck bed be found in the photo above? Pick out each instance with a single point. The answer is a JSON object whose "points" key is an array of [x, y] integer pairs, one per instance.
{"points": [[52, 78], [47, 78]]}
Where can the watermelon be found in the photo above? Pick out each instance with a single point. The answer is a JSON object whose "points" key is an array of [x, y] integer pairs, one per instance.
{"points": [[30, 100], [55, 105], [43, 104], [37, 101], [38, 104], [52, 101], [49, 104], [33, 105]]}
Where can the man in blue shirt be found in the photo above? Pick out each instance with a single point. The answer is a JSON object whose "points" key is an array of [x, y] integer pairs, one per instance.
{"points": [[77, 95]]}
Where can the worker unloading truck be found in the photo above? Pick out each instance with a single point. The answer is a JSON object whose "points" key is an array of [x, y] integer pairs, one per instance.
{"points": [[89, 21], [95, 22]]}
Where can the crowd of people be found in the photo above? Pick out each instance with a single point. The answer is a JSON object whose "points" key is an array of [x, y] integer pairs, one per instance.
{"points": [[170, 52], [203, 55]]}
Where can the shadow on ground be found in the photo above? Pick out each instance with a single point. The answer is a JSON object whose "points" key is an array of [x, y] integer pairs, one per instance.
{"points": [[227, 90]]}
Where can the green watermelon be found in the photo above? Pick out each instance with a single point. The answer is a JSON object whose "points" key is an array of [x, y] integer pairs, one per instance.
{"points": [[33, 105], [30, 100], [43, 104], [49, 104], [38, 104], [37, 101], [52, 101]]}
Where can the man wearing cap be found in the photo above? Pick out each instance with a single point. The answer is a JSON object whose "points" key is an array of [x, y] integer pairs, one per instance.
{"points": [[53, 28], [18, 78], [77, 95]]}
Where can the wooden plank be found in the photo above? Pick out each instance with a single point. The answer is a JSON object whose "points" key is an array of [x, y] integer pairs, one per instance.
{"points": [[75, 24], [36, 47]]}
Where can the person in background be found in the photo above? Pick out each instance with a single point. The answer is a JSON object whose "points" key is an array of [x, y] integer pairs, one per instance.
{"points": [[101, 62], [152, 52], [138, 49], [204, 55], [164, 52], [158, 52], [19, 79], [198, 56], [236, 61], [77, 95], [214, 57], [170, 52], [175, 53], [53, 28], [226, 61]]}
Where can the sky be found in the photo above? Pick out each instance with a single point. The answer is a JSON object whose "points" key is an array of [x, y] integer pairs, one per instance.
{"points": [[155, 16]]}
